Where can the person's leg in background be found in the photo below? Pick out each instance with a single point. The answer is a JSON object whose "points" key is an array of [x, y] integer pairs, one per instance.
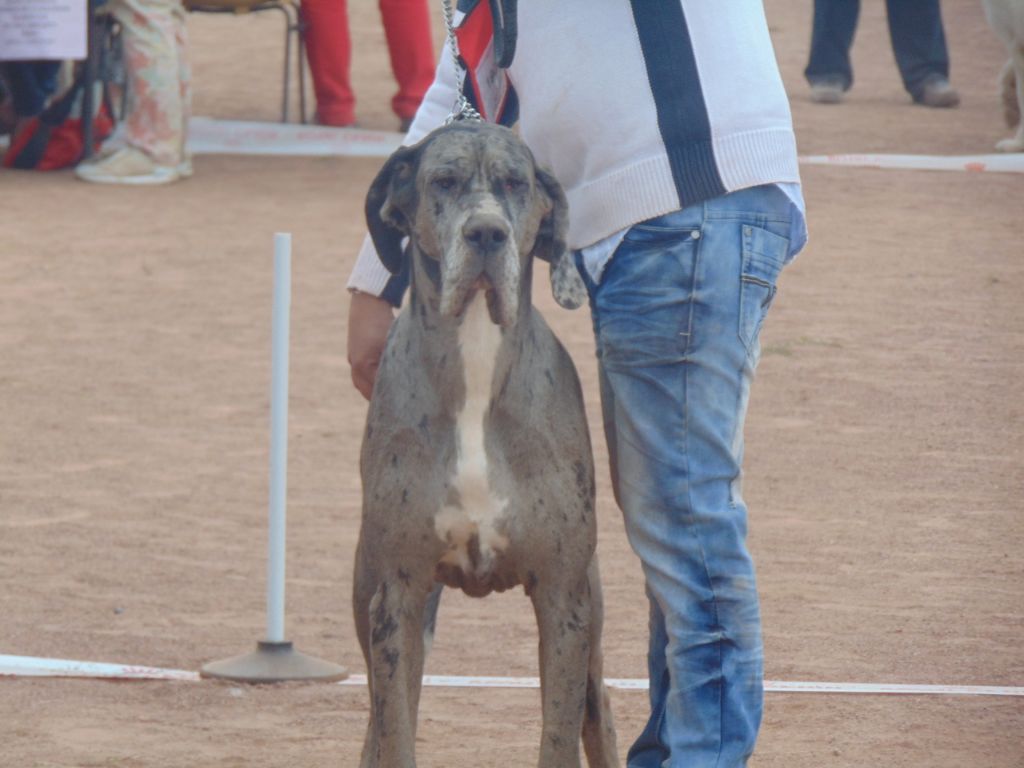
{"points": [[329, 52], [919, 45], [411, 47], [829, 71], [31, 83], [152, 131], [677, 317]]}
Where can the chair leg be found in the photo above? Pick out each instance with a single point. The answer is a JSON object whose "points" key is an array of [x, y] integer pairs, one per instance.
{"points": [[293, 24], [287, 62], [89, 77], [106, 70], [300, 29], [114, 73]]}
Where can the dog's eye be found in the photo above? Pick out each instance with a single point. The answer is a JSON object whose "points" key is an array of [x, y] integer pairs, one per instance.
{"points": [[444, 183], [514, 185]]}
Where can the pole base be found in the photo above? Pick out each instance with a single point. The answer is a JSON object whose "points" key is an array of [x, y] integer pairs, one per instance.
{"points": [[273, 663]]}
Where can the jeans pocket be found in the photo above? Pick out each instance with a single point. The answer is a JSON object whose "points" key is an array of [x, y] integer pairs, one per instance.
{"points": [[764, 253], [642, 305]]}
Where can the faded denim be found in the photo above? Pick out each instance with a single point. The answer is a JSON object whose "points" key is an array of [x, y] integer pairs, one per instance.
{"points": [[676, 317]]}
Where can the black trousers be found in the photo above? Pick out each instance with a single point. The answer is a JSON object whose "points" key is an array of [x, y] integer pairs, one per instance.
{"points": [[31, 84], [915, 27]]}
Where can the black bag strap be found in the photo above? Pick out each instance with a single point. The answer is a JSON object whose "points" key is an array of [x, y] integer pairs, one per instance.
{"points": [[503, 15], [32, 153]]}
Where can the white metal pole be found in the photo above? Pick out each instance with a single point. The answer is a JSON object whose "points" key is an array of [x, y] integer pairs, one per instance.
{"points": [[278, 435]]}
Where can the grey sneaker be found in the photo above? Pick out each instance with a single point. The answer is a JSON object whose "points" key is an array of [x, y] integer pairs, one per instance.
{"points": [[116, 143], [827, 92], [185, 166], [126, 166], [938, 93]]}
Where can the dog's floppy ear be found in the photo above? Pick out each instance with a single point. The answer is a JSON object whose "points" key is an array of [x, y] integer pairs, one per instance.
{"points": [[391, 206], [566, 284]]}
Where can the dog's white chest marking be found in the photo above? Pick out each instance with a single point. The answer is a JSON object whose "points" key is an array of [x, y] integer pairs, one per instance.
{"points": [[479, 508]]}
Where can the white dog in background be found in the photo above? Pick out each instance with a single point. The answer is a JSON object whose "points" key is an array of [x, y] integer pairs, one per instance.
{"points": [[1006, 17]]}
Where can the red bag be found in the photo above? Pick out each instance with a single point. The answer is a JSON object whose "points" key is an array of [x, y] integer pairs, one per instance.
{"points": [[54, 139]]}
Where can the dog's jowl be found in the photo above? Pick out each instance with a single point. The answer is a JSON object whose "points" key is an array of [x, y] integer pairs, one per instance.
{"points": [[476, 462]]}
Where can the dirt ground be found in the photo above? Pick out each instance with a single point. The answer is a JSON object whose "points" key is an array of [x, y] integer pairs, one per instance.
{"points": [[884, 468]]}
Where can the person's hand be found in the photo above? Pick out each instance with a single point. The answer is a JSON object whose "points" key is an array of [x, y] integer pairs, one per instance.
{"points": [[369, 319]]}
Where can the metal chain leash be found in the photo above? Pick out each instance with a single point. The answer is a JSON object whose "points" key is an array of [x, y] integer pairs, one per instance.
{"points": [[461, 109]]}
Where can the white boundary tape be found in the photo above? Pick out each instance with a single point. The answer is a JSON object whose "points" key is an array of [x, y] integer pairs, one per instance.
{"points": [[236, 137], [30, 666], [1008, 163], [771, 686], [233, 137]]}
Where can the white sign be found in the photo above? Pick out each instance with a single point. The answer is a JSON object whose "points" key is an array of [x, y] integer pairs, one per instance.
{"points": [[42, 29]]}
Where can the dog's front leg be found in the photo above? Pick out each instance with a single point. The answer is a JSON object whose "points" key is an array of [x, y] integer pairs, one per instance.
{"points": [[563, 623], [396, 673]]}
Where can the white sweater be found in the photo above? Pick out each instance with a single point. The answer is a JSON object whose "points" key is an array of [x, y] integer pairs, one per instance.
{"points": [[638, 107]]}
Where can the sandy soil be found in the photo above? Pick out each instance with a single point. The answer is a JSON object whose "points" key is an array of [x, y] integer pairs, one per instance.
{"points": [[884, 445]]}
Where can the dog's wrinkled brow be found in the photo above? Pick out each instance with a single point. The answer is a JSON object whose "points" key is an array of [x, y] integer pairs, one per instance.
{"points": [[447, 163], [464, 152], [453, 147]]}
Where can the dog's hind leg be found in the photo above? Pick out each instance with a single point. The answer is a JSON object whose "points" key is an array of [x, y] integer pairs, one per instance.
{"points": [[1008, 94], [1013, 100], [598, 726]]}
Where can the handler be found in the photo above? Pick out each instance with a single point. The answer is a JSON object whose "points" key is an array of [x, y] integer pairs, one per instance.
{"points": [[669, 128]]}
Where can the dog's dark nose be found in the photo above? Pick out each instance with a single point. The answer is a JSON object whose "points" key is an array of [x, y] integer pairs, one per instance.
{"points": [[486, 233]]}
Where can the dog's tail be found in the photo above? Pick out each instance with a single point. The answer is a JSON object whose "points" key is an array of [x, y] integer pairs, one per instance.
{"points": [[1011, 107]]}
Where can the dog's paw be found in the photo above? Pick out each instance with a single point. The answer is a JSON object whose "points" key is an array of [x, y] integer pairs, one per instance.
{"points": [[1015, 144]]}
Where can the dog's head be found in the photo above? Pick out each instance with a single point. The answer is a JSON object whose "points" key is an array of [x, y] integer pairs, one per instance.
{"points": [[477, 208]]}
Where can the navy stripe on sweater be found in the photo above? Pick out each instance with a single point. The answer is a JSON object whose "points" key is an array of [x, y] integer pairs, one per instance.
{"points": [[675, 83]]}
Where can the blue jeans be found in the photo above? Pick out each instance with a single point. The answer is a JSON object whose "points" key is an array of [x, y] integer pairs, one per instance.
{"points": [[676, 317], [915, 29]]}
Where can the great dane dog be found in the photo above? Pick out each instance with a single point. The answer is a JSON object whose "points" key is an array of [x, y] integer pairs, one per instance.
{"points": [[476, 461]]}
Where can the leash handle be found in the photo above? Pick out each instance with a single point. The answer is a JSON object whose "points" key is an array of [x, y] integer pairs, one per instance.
{"points": [[461, 109]]}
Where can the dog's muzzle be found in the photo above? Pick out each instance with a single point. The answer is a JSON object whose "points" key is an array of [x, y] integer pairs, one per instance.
{"points": [[484, 257]]}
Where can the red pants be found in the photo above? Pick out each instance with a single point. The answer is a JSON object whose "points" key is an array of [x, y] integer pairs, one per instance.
{"points": [[329, 50]]}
